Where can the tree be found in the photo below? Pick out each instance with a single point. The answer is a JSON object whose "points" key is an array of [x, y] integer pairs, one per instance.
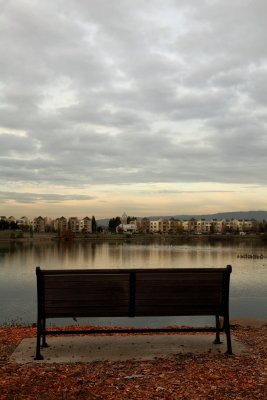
{"points": [[129, 219], [113, 223], [67, 235], [13, 225], [179, 230], [94, 225], [4, 224], [263, 226]]}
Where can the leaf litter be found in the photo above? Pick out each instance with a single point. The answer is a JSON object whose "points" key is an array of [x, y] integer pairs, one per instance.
{"points": [[206, 376]]}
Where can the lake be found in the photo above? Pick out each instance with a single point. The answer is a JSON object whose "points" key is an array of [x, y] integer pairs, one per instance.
{"points": [[248, 290]]}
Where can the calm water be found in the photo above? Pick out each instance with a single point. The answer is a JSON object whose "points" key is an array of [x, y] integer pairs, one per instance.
{"points": [[248, 294]]}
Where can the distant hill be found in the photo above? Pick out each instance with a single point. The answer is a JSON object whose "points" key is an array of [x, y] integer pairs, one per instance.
{"points": [[257, 215], [103, 222]]}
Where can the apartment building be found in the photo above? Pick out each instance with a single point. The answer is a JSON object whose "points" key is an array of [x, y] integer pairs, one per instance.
{"points": [[190, 226], [174, 225], [74, 224], [143, 225], [204, 226], [87, 224], [218, 225], [164, 226], [248, 226], [23, 221], [39, 224], [154, 226], [60, 224]]}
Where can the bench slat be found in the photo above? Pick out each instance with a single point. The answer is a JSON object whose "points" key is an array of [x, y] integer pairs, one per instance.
{"points": [[84, 292], [84, 280], [58, 313], [177, 311], [179, 300], [86, 303]]}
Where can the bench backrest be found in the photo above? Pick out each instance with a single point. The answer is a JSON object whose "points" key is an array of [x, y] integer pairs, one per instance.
{"points": [[133, 292]]}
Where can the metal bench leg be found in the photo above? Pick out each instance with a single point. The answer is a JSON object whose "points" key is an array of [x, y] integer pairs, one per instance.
{"points": [[228, 335], [38, 355], [44, 343], [217, 339]]}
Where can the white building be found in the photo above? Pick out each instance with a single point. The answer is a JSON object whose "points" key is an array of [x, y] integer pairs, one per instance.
{"points": [[127, 228]]}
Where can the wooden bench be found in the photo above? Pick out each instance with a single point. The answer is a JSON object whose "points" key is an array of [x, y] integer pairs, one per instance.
{"points": [[133, 292]]}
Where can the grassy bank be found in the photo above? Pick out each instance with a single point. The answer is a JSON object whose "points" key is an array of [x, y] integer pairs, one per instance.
{"points": [[47, 236], [10, 235]]}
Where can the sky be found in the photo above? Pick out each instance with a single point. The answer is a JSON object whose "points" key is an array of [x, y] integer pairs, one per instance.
{"points": [[147, 107]]}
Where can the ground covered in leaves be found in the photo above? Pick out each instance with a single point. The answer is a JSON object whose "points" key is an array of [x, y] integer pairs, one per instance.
{"points": [[187, 377]]}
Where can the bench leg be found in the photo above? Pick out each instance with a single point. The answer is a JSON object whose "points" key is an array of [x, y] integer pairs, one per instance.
{"points": [[217, 339], [38, 355], [228, 335], [44, 343]]}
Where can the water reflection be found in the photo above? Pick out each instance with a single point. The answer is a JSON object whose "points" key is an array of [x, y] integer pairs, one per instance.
{"points": [[18, 262]]}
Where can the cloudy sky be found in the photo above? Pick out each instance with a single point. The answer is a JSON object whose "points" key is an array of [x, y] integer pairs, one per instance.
{"points": [[146, 107]]}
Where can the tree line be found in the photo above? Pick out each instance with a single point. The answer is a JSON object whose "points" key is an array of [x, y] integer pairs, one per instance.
{"points": [[4, 225]]}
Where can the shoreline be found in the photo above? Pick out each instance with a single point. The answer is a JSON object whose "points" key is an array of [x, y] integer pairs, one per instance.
{"points": [[165, 238]]}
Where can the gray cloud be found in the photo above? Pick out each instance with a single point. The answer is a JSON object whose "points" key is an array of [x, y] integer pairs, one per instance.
{"points": [[127, 92], [11, 145], [36, 198]]}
